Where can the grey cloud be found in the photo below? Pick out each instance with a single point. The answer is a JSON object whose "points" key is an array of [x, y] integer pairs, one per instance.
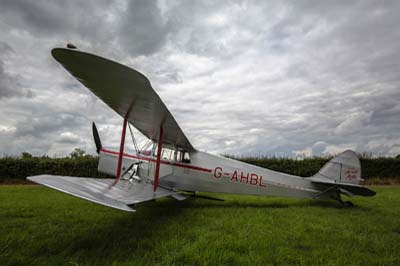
{"points": [[47, 124], [143, 30], [55, 18], [340, 84], [43, 17], [69, 138], [353, 123], [8, 81], [9, 85], [6, 49], [241, 77]]}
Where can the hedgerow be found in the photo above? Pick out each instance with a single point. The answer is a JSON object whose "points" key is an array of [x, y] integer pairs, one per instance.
{"points": [[20, 168], [380, 167]]}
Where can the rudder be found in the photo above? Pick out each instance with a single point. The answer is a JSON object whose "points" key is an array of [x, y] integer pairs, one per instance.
{"points": [[344, 168]]}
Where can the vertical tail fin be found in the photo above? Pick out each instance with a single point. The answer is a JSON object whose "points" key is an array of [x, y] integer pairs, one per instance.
{"points": [[344, 168]]}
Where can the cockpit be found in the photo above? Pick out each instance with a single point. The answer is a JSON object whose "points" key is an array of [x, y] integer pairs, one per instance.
{"points": [[174, 155]]}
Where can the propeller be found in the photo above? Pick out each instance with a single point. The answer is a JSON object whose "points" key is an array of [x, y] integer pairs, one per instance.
{"points": [[96, 137]]}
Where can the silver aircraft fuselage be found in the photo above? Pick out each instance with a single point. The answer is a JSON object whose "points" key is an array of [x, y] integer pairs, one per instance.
{"points": [[212, 173]]}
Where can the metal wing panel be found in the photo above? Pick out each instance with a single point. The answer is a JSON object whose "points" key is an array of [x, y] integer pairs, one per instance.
{"points": [[126, 91], [102, 191]]}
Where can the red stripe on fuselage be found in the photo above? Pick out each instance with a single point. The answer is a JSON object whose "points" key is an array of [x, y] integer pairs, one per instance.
{"points": [[162, 161]]}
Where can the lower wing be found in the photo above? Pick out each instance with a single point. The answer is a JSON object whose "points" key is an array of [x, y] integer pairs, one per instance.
{"points": [[104, 191]]}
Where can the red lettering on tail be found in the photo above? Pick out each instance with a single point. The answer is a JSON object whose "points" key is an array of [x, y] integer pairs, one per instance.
{"points": [[242, 177], [234, 176], [253, 179], [217, 172], [261, 183]]}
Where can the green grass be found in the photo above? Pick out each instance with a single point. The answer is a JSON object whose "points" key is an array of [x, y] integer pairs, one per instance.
{"points": [[40, 226]]}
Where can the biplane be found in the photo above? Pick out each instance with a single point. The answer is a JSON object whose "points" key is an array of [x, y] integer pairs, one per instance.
{"points": [[170, 166]]}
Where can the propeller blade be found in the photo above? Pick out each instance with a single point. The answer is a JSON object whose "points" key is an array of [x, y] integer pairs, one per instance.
{"points": [[96, 137]]}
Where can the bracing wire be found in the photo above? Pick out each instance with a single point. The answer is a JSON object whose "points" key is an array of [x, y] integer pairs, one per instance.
{"points": [[133, 139]]}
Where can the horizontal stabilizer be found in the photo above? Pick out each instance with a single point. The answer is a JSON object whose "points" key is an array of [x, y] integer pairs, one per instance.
{"points": [[102, 190], [352, 188]]}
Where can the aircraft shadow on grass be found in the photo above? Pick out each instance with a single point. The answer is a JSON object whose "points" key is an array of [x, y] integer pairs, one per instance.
{"points": [[156, 222], [194, 203]]}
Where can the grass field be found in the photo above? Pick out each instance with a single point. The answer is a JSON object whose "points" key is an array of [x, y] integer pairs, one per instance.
{"points": [[39, 226]]}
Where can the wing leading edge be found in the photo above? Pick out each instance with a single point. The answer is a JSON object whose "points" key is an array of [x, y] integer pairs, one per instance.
{"points": [[126, 91]]}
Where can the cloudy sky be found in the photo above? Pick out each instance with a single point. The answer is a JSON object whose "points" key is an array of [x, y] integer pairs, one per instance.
{"points": [[240, 77]]}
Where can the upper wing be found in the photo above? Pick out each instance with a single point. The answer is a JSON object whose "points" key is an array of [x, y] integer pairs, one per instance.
{"points": [[126, 91], [104, 191]]}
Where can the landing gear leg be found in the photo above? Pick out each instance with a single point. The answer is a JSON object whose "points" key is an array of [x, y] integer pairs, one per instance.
{"points": [[343, 203]]}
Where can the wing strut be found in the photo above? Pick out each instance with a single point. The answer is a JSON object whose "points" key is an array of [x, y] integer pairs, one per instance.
{"points": [[157, 172], [121, 151]]}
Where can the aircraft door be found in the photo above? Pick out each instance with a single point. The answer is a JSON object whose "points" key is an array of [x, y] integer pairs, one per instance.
{"points": [[181, 157], [167, 162]]}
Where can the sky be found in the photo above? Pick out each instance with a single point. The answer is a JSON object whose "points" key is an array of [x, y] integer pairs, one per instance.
{"points": [[277, 78]]}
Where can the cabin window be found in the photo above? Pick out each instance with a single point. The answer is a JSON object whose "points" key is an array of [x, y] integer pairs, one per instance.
{"points": [[182, 156], [177, 156], [174, 155], [186, 158], [167, 154]]}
